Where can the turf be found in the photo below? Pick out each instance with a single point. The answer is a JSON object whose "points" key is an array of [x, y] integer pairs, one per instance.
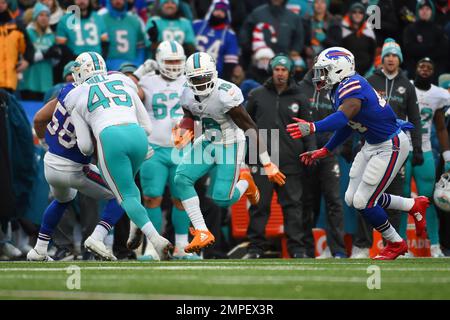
{"points": [[228, 279]]}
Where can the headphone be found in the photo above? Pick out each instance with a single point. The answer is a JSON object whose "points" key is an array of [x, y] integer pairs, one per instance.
{"points": [[291, 69]]}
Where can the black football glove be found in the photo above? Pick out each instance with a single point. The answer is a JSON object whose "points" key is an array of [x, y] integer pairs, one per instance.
{"points": [[54, 52], [153, 32]]}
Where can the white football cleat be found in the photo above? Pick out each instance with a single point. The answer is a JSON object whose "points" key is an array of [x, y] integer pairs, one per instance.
{"points": [[359, 253], [436, 251], [33, 255], [98, 247], [150, 253], [179, 254], [326, 254], [162, 246]]}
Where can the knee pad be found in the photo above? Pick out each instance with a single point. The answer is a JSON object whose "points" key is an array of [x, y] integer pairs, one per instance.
{"points": [[359, 201], [374, 171]]}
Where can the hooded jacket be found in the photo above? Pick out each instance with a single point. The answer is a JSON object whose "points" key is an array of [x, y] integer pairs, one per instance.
{"points": [[271, 110], [401, 96]]}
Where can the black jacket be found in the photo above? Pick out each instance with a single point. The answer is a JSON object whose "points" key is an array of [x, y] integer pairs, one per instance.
{"points": [[403, 100], [319, 104], [270, 110]]}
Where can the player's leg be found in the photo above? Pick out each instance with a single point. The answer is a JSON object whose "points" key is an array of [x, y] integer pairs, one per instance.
{"points": [[196, 162], [119, 164], [91, 183], [226, 188], [385, 160], [425, 176], [59, 182]]}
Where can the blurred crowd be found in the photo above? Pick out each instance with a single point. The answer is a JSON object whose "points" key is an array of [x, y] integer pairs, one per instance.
{"points": [[38, 38]]}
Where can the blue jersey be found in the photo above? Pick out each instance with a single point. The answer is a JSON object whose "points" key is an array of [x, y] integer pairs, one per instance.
{"points": [[221, 44], [60, 134], [376, 120]]}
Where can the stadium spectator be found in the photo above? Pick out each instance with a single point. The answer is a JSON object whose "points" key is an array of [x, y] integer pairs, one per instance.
{"points": [[56, 12], [259, 69], [85, 34], [126, 34], [425, 39], [170, 25], [322, 180], [279, 90], [272, 25], [394, 87], [442, 12], [322, 30], [237, 9], [17, 50], [359, 38], [215, 37], [38, 78]]}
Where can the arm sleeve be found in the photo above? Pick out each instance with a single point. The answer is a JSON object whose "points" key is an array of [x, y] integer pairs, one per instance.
{"points": [[83, 133], [413, 114], [338, 138], [142, 115]]}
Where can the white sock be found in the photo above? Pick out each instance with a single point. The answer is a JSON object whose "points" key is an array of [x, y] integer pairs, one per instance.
{"points": [[192, 207], [242, 186], [391, 235], [181, 240], [99, 233], [41, 246], [149, 230], [398, 203]]}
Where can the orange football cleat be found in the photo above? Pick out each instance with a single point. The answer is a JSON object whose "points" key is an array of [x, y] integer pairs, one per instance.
{"points": [[252, 192], [202, 239]]}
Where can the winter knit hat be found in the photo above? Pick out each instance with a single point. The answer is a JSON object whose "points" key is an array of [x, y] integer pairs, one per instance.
{"points": [[423, 3], [162, 2], [390, 46], [68, 69], [265, 52], [281, 60], [38, 9]]}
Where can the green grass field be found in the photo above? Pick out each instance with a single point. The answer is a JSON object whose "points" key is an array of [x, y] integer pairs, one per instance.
{"points": [[228, 279]]}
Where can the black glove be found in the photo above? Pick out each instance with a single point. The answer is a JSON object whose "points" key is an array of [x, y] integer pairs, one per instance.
{"points": [[417, 158], [54, 52], [153, 32]]}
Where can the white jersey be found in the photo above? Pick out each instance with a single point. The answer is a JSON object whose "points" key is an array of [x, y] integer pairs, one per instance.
{"points": [[429, 102], [104, 101], [162, 99], [218, 127]]}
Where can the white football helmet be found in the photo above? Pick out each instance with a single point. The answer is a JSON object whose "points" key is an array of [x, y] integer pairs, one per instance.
{"points": [[201, 73], [441, 194], [332, 66], [170, 51], [86, 65]]}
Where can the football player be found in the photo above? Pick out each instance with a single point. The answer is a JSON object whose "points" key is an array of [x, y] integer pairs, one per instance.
{"points": [[68, 171], [161, 99], [108, 105], [359, 108], [219, 151], [432, 101]]}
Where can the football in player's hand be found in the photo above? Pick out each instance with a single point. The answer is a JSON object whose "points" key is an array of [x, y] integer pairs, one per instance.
{"points": [[186, 123]]}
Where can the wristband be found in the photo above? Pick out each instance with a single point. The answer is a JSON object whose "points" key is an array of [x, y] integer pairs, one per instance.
{"points": [[264, 158]]}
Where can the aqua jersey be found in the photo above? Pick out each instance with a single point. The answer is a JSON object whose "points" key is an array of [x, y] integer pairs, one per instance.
{"points": [[60, 134], [179, 30], [125, 35], [376, 121], [86, 36]]}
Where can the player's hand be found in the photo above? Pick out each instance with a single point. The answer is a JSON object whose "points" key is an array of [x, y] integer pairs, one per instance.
{"points": [[148, 66], [417, 158], [274, 174], [153, 32], [300, 128], [150, 152], [181, 137], [308, 158]]}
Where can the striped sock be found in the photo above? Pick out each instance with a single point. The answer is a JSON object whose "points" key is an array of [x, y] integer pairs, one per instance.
{"points": [[42, 243], [101, 231], [192, 207], [388, 232], [389, 201]]}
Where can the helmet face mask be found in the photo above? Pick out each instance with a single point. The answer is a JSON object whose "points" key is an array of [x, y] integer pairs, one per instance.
{"points": [[87, 65], [201, 73], [171, 59]]}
